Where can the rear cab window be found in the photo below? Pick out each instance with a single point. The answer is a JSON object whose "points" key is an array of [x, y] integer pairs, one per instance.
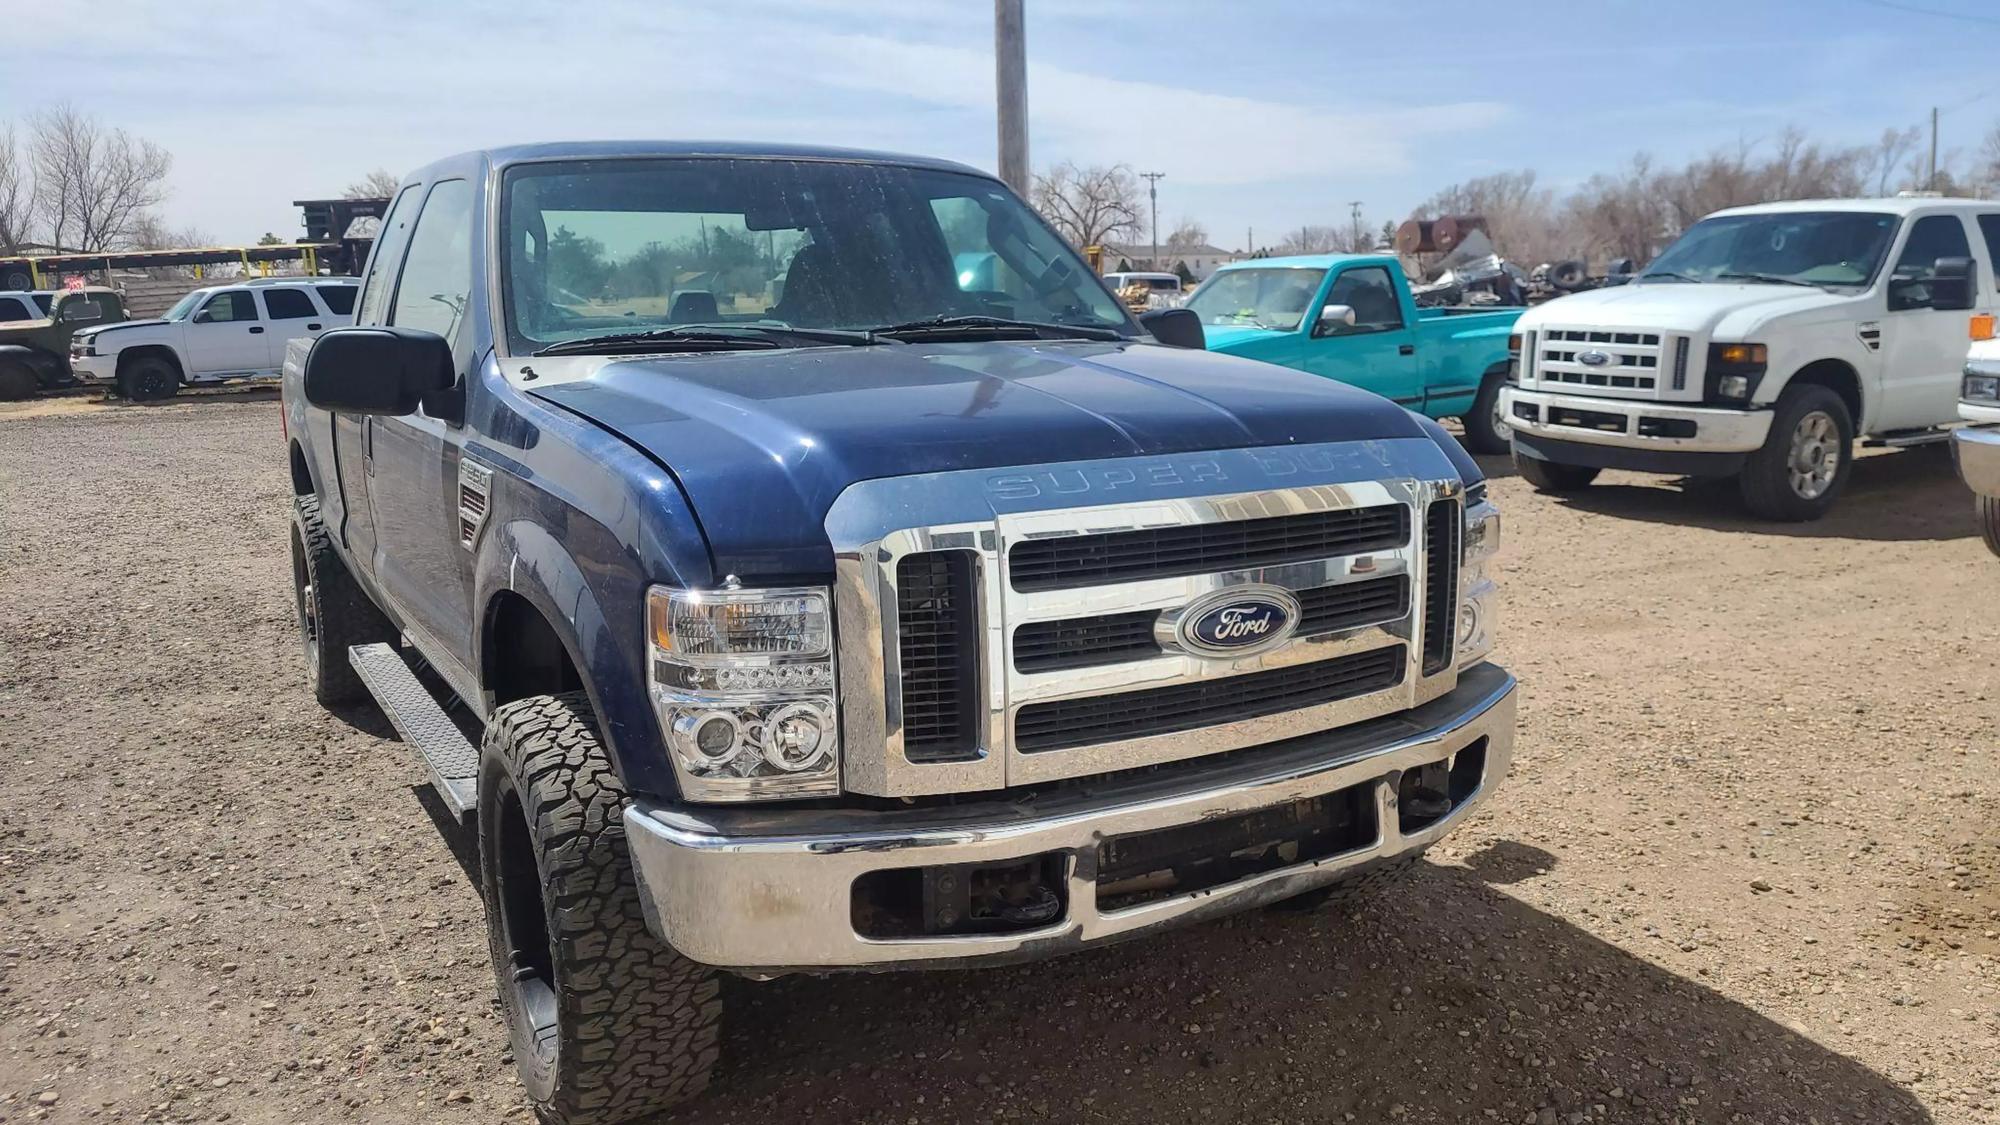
{"points": [[388, 255], [289, 304], [339, 298]]}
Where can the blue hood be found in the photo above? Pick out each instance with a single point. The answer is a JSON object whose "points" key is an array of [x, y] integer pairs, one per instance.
{"points": [[763, 442]]}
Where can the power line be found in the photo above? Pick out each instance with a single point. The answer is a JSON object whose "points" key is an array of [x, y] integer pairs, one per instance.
{"points": [[1919, 10]]}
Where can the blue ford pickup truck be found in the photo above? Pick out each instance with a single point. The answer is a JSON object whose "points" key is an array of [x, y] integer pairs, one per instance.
{"points": [[1351, 317], [776, 599]]}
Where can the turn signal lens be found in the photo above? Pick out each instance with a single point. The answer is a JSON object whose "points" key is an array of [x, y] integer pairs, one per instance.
{"points": [[1514, 344], [1746, 354], [1983, 326]]}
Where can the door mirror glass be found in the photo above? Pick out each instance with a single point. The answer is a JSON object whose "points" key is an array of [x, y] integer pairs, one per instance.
{"points": [[1954, 284], [1334, 319], [1176, 328], [384, 371], [203, 317]]}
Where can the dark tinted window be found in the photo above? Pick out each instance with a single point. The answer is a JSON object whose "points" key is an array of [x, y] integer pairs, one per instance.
{"points": [[1989, 225], [339, 298], [1372, 296], [44, 301], [12, 308], [230, 306], [437, 274], [1933, 237], [288, 304], [395, 233]]}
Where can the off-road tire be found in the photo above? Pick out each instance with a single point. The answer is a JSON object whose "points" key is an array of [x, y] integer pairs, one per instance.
{"points": [[1765, 480], [608, 1023], [333, 612], [1349, 889], [1483, 434], [149, 379], [1553, 476], [17, 381], [1986, 509]]}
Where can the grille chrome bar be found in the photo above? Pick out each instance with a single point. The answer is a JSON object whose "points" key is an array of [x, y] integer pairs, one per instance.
{"points": [[1124, 556], [988, 515]]}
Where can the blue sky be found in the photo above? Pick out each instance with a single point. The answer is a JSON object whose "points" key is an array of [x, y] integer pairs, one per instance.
{"points": [[1263, 114]]}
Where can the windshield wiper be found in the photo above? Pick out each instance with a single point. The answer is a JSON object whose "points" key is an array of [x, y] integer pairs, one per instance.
{"points": [[707, 337], [998, 325], [1669, 274], [1766, 278]]}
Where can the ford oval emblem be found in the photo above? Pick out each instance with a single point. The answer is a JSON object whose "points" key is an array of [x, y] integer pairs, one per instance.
{"points": [[1238, 622], [1592, 358]]}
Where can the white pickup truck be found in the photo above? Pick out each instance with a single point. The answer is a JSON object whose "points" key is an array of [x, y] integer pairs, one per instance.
{"points": [[222, 332], [1759, 345], [1977, 445]]}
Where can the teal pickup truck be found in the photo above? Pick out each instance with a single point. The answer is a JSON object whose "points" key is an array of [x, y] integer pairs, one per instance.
{"points": [[1350, 317]]}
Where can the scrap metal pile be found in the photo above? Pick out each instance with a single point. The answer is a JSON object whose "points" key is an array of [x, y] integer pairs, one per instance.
{"points": [[1452, 261]]}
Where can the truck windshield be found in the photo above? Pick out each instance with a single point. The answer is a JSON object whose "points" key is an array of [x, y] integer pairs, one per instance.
{"points": [[595, 248], [184, 307], [1276, 297], [1829, 248]]}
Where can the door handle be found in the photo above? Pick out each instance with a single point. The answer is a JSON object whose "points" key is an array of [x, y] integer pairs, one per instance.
{"points": [[1407, 349], [312, 327], [256, 330]]}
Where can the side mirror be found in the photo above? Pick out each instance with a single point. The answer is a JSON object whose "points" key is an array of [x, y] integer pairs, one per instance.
{"points": [[376, 370], [1954, 284], [1176, 328], [202, 317], [1333, 318]]}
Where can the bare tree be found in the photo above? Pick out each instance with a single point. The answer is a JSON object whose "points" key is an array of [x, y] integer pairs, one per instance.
{"points": [[1088, 206], [1186, 235], [16, 194], [1984, 179], [150, 233], [379, 184], [1519, 213], [1884, 160], [1313, 240], [92, 184]]}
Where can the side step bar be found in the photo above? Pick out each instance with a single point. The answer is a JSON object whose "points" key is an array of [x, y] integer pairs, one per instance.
{"points": [[452, 761], [1904, 439]]}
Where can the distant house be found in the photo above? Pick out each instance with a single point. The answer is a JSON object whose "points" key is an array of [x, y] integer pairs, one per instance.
{"points": [[1201, 260]]}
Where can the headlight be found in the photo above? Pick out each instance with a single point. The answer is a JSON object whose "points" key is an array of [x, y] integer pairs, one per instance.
{"points": [[743, 683], [1734, 370], [1982, 384], [1477, 593]]}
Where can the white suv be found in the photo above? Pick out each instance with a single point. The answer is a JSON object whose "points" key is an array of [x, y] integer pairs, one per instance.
{"points": [[224, 332]]}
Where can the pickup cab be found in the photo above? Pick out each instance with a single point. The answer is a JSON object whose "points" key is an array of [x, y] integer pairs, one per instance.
{"points": [[212, 335], [1976, 446], [1350, 317], [775, 595], [1758, 346], [36, 328]]}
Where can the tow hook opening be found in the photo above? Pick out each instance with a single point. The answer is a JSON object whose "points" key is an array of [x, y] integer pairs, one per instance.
{"points": [[948, 899], [1427, 794]]}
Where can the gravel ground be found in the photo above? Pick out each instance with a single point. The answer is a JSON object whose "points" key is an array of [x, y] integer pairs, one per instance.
{"points": [[1745, 871]]}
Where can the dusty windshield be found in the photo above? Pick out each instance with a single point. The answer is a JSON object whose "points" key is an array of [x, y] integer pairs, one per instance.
{"points": [[1828, 248], [184, 307], [1257, 298], [603, 247]]}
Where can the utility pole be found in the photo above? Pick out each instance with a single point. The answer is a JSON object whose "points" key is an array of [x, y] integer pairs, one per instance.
{"points": [[1010, 81], [1153, 190], [1930, 181], [1354, 210]]}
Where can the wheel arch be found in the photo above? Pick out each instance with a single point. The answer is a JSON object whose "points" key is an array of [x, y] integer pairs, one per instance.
{"points": [[128, 356], [1840, 377], [302, 479]]}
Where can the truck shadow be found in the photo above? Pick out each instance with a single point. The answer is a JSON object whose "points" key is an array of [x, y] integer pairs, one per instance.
{"points": [[1434, 1000], [1911, 495]]}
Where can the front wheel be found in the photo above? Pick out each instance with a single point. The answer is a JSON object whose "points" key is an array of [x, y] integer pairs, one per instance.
{"points": [[1986, 509], [608, 1023], [1803, 465], [149, 379], [1485, 428], [1552, 476]]}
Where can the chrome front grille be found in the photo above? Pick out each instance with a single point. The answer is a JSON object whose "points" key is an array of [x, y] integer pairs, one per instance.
{"points": [[1608, 362], [1066, 662]]}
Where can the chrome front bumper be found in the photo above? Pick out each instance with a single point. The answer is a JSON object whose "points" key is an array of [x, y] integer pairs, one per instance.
{"points": [[1716, 430], [1977, 451], [771, 892]]}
